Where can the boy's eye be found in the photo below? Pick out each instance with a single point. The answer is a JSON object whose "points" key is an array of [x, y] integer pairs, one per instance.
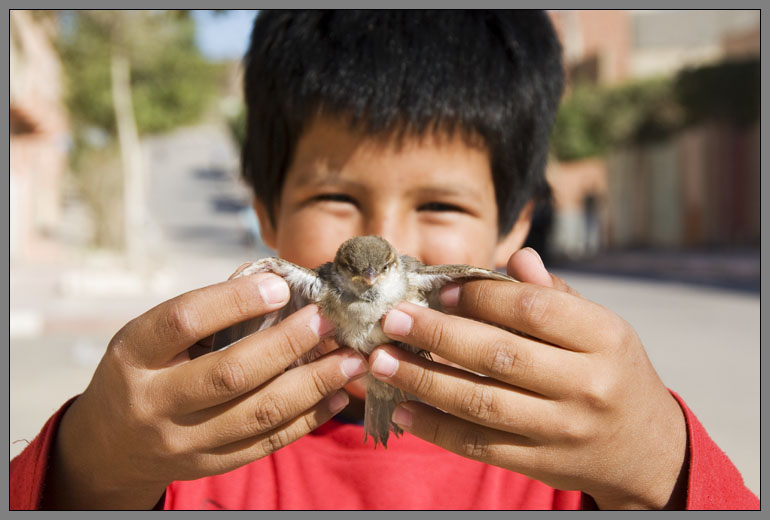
{"points": [[335, 197], [439, 206]]}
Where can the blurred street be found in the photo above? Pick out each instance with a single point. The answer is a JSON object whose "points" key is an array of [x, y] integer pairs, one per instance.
{"points": [[702, 338]]}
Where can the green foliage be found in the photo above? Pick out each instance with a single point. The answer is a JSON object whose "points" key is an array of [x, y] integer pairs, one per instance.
{"points": [[579, 128], [593, 119], [172, 84]]}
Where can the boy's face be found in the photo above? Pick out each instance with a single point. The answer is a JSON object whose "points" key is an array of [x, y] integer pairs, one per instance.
{"points": [[432, 198]]}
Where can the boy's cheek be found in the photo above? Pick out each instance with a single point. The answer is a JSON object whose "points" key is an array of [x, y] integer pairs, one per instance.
{"points": [[457, 245]]}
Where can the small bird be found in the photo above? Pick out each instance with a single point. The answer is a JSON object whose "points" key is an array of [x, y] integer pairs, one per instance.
{"points": [[366, 279]]}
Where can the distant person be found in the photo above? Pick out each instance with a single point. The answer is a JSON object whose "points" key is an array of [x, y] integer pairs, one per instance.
{"points": [[431, 130], [592, 224]]}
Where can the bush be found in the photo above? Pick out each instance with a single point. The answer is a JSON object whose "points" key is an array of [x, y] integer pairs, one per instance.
{"points": [[728, 92], [593, 119]]}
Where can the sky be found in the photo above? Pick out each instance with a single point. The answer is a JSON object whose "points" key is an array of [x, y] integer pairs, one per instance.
{"points": [[223, 36]]}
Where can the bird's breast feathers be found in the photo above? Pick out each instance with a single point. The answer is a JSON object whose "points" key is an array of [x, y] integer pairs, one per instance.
{"points": [[359, 325]]}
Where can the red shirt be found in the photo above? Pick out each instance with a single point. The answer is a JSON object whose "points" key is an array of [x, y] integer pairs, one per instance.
{"points": [[331, 468]]}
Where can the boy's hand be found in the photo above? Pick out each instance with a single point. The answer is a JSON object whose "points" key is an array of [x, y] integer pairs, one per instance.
{"points": [[151, 414], [574, 402]]}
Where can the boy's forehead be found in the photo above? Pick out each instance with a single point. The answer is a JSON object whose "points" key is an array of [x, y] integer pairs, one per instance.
{"points": [[333, 154]]}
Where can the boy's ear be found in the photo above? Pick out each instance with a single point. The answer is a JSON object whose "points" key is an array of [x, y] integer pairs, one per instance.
{"points": [[515, 238], [266, 227]]}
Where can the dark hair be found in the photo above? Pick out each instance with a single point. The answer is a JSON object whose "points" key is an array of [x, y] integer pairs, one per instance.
{"points": [[493, 75]]}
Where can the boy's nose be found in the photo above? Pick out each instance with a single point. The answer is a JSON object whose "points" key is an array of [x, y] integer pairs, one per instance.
{"points": [[385, 222]]}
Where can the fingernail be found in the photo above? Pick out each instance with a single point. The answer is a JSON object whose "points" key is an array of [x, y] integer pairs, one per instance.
{"points": [[402, 416], [536, 255], [397, 323], [338, 401], [320, 325], [384, 364], [353, 366], [274, 289], [449, 296]]}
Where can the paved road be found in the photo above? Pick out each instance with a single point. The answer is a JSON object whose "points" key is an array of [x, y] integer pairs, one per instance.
{"points": [[704, 341]]}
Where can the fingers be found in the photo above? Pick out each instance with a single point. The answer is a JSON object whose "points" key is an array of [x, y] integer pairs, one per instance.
{"points": [[238, 453], [526, 266], [160, 334], [279, 401], [552, 315], [475, 398], [465, 438], [509, 358], [220, 376]]}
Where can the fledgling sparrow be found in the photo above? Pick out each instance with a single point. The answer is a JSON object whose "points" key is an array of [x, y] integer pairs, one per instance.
{"points": [[366, 279]]}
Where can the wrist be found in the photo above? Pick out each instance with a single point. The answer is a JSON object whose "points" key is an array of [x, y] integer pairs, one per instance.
{"points": [[86, 473], [662, 485]]}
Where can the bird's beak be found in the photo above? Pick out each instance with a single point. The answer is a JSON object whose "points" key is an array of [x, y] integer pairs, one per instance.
{"points": [[370, 275]]}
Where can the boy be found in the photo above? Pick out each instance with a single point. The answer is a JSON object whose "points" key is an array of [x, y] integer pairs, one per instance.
{"points": [[430, 130]]}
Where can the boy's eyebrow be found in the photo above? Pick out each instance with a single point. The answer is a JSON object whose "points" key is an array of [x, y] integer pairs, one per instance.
{"points": [[313, 177], [450, 191]]}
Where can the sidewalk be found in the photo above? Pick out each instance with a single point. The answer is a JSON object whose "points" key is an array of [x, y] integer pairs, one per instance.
{"points": [[198, 238]]}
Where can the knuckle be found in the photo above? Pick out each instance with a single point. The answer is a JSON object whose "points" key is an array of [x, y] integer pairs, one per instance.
{"points": [[142, 411], [423, 382], [437, 334], [269, 413], [479, 402], [228, 377], [532, 305], [118, 347], [625, 334], [157, 434], [473, 443], [506, 361], [173, 445], [275, 442], [598, 393], [435, 433], [239, 301], [142, 420], [320, 385], [476, 294], [180, 319], [574, 432], [310, 421], [290, 344]]}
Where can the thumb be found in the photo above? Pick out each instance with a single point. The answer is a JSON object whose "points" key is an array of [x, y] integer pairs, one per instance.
{"points": [[526, 266]]}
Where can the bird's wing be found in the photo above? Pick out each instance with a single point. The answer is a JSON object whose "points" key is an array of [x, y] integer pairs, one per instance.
{"points": [[305, 287], [431, 278]]}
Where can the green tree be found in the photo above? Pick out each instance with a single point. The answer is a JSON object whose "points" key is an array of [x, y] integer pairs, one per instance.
{"points": [[129, 73]]}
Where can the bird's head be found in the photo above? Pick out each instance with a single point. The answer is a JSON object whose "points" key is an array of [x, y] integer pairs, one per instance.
{"points": [[364, 263]]}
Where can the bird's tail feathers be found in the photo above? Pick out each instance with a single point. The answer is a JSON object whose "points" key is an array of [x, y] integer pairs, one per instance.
{"points": [[381, 400]]}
